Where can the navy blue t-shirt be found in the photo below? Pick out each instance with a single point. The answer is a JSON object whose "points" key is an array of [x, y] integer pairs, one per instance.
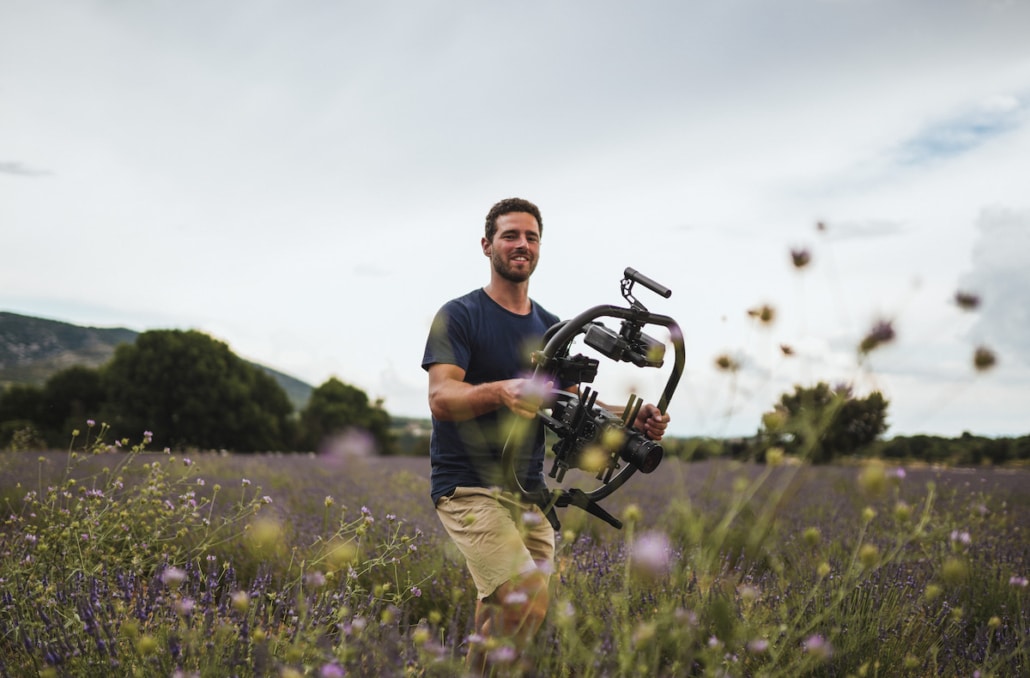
{"points": [[490, 343]]}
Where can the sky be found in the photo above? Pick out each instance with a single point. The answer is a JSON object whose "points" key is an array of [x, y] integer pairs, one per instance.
{"points": [[307, 181]]}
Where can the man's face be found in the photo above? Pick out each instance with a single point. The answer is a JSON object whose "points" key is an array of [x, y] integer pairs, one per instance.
{"points": [[515, 248]]}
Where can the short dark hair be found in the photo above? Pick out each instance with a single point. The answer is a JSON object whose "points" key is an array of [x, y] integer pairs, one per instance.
{"points": [[507, 206]]}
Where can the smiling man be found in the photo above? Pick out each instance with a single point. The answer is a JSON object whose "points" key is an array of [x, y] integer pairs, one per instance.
{"points": [[480, 390]]}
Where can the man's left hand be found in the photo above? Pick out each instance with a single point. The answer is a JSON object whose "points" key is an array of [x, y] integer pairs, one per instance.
{"points": [[651, 422]]}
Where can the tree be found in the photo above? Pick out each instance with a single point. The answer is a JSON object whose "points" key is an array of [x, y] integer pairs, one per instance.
{"points": [[70, 397], [334, 407], [821, 423], [21, 402], [20, 408], [191, 390]]}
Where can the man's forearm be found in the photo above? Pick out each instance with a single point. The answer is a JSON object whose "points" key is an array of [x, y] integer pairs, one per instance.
{"points": [[460, 401]]}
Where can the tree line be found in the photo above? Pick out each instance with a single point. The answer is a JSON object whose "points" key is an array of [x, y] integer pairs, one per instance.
{"points": [[187, 390], [825, 424]]}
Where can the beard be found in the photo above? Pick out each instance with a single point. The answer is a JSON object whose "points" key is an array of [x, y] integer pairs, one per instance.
{"points": [[510, 274]]}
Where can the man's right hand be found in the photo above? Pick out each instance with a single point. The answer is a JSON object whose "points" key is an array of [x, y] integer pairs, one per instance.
{"points": [[524, 397]]}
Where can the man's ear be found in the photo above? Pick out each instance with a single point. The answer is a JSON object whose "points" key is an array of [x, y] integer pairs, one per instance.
{"points": [[487, 249]]}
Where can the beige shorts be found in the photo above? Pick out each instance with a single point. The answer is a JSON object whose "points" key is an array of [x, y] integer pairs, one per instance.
{"points": [[500, 537]]}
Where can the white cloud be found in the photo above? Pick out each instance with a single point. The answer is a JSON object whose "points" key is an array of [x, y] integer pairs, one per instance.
{"points": [[963, 131], [1000, 276], [308, 182], [21, 169]]}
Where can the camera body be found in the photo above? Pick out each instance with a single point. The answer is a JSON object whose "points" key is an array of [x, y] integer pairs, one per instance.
{"points": [[593, 439]]}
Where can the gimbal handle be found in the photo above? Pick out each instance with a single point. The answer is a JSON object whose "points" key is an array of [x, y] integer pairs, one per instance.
{"points": [[637, 276]]}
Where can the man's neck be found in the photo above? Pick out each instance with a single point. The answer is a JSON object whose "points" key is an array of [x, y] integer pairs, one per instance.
{"points": [[511, 296]]}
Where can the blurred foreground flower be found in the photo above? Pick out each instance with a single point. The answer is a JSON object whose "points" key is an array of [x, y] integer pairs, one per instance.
{"points": [[632, 514], [869, 555], [961, 537], [954, 571], [967, 301], [801, 257], [332, 670], [765, 314], [872, 479], [264, 536], [240, 600], [505, 654], [984, 358], [758, 645], [882, 332], [818, 646], [173, 576], [651, 554], [726, 363]]}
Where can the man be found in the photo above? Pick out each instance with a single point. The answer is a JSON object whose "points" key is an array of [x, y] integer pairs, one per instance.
{"points": [[477, 357]]}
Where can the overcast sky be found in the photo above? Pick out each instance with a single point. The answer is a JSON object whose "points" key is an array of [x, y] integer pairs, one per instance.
{"points": [[307, 182]]}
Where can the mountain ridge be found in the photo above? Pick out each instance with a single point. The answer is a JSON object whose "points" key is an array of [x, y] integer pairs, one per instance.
{"points": [[32, 349]]}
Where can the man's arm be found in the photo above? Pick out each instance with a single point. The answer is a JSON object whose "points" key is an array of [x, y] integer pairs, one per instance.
{"points": [[451, 398]]}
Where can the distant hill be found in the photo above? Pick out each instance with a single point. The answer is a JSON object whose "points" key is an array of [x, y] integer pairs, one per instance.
{"points": [[33, 349]]}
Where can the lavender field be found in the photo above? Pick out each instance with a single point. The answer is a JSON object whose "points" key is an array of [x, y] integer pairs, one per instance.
{"points": [[127, 562]]}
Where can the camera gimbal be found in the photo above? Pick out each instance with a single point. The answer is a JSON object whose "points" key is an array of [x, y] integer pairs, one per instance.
{"points": [[590, 437]]}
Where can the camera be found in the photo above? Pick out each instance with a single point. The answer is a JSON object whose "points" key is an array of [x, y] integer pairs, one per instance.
{"points": [[593, 439], [630, 345], [589, 437]]}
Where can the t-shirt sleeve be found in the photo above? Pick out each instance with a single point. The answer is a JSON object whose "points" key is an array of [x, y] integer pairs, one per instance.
{"points": [[448, 340]]}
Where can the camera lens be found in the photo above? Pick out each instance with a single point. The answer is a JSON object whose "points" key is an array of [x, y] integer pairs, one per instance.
{"points": [[643, 453]]}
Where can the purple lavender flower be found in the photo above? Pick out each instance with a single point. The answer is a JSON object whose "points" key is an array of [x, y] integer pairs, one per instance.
{"points": [[758, 645], [173, 576], [503, 655], [184, 606], [332, 670], [818, 646], [651, 553]]}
